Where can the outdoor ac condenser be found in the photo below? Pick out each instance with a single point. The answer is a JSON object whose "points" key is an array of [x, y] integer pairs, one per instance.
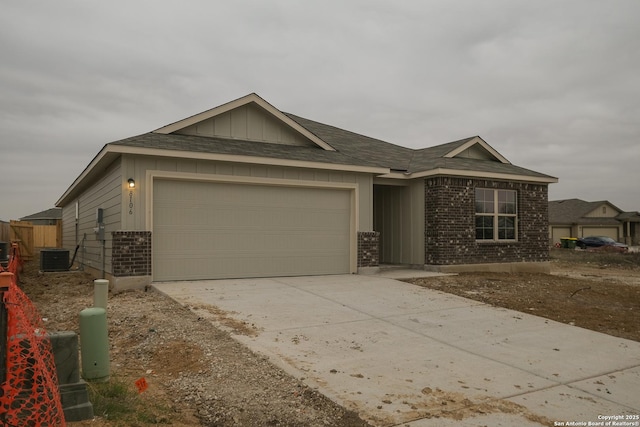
{"points": [[54, 260]]}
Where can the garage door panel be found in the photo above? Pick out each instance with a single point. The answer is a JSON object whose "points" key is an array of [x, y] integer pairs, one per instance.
{"points": [[560, 232], [183, 242], [227, 264], [224, 230], [600, 231]]}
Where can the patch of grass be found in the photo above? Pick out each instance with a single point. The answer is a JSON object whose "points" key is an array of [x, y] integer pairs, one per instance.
{"points": [[601, 259], [119, 401]]}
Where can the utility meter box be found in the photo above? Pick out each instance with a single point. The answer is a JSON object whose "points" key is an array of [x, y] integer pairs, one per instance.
{"points": [[99, 230]]}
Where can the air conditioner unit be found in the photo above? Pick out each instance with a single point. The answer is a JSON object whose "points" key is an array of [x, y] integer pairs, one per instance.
{"points": [[54, 260], [4, 254]]}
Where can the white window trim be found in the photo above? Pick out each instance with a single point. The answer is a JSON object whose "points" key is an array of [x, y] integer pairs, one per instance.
{"points": [[496, 215]]}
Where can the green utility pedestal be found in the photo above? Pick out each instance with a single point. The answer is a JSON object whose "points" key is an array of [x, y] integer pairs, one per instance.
{"points": [[94, 344]]}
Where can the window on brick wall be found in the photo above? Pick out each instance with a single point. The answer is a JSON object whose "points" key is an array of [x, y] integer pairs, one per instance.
{"points": [[496, 214]]}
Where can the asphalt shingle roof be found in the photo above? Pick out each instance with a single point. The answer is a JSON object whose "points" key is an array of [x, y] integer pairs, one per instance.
{"points": [[573, 211], [629, 216], [351, 149], [215, 145], [358, 146], [53, 213], [400, 158]]}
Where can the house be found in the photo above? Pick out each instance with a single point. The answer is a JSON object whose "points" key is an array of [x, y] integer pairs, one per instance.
{"points": [[579, 218], [47, 217], [246, 190]]}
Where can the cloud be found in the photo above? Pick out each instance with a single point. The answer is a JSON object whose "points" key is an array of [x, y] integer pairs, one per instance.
{"points": [[551, 85]]}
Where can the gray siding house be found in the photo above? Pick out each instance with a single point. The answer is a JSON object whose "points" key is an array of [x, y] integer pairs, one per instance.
{"points": [[246, 190]]}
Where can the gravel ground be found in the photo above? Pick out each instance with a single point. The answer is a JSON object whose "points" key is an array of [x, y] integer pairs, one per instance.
{"points": [[197, 373]]}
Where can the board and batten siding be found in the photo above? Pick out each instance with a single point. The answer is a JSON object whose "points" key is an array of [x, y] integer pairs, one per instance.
{"points": [[399, 217], [136, 167], [106, 194], [603, 211], [248, 122]]}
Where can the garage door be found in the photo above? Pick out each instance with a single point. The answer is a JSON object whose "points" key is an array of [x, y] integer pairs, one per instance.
{"points": [[600, 231], [559, 232], [205, 230]]}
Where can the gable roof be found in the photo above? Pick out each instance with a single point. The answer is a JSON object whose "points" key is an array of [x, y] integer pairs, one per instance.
{"points": [[324, 147], [252, 98], [53, 213], [477, 143], [573, 211], [174, 144], [633, 216], [410, 163]]}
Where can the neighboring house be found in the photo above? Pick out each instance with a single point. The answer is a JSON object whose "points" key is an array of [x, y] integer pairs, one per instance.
{"points": [[578, 218], [49, 217], [246, 190], [44, 230]]}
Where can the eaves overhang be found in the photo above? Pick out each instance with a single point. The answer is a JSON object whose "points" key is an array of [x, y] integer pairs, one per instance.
{"points": [[97, 165], [471, 174], [112, 151]]}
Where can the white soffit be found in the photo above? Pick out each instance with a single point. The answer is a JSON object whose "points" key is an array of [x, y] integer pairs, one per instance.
{"points": [[470, 174]]}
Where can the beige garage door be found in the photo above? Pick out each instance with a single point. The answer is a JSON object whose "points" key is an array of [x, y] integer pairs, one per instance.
{"points": [[560, 232], [600, 231], [205, 230]]}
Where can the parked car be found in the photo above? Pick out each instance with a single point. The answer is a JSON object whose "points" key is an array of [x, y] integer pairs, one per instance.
{"points": [[601, 242]]}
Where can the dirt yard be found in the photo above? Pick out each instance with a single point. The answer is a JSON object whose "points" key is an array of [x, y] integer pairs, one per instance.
{"points": [[199, 375], [595, 291]]}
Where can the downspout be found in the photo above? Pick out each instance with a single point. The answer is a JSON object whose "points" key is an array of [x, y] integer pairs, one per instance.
{"points": [[103, 258], [83, 253]]}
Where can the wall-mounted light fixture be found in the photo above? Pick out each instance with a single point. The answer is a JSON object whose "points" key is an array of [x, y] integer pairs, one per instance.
{"points": [[132, 183]]}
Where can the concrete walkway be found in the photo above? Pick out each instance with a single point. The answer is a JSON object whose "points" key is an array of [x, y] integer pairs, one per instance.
{"points": [[399, 354]]}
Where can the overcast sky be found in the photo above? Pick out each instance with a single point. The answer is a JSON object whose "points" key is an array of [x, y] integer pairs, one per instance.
{"points": [[553, 85]]}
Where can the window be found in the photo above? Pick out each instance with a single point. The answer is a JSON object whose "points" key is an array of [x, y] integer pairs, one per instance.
{"points": [[496, 213]]}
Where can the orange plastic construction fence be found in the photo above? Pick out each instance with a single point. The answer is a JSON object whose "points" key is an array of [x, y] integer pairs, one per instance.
{"points": [[29, 396]]}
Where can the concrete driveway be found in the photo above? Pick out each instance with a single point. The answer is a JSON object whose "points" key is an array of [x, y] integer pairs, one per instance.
{"points": [[401, 354]]}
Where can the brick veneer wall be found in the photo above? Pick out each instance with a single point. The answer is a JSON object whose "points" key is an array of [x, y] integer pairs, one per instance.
{"points": [[131, 253], [450, 223], [368, 248]]}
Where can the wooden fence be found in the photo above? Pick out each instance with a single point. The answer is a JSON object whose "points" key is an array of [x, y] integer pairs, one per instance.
{"points": [[5, 232], [32, 237], [47, 236]]}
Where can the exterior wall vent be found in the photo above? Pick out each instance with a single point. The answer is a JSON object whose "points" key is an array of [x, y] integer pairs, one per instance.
{"points": [[54, 260]]}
